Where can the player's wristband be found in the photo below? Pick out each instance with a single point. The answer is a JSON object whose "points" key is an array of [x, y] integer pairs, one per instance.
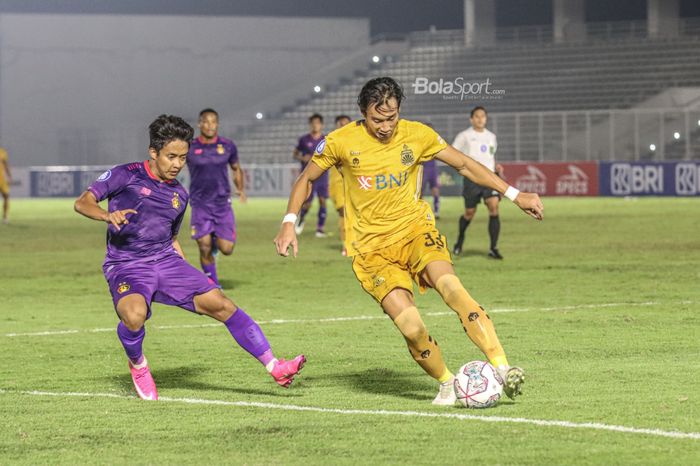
{"points": [[511, 193], [290, 218]]}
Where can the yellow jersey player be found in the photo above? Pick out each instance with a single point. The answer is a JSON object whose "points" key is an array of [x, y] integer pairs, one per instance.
{"points": [[336, 190], [390, 231], [5, 180]]}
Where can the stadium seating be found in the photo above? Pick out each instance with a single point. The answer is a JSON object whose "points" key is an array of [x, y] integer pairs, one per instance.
{"points": [[536, 76]]}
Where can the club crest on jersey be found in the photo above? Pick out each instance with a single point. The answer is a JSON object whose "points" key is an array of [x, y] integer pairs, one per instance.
{"points": [[320, 146], [198, 151], [123, 288], [355, 162], [220, 149], [492, 150], [483, 148], [176, 201], [407, 157]]}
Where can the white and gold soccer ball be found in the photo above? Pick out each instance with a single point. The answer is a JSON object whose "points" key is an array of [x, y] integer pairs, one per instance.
{"points": [[478, 385]]}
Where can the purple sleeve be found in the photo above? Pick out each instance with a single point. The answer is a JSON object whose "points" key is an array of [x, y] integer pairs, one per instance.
{"points": [[300, 145], [233, 158], [109, 183]]}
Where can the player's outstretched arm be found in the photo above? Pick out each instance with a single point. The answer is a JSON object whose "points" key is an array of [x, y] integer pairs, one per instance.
{"points": [[470, 168], [87, 205], [300, 192], [239, 181]]}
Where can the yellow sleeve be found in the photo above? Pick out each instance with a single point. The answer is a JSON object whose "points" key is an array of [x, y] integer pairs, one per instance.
{"points": [[432, 143], [3, 155], [326, 153]]}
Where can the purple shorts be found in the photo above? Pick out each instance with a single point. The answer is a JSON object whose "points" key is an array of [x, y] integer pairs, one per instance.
{"points": [[319, 187], [166, 279], [430, 177], [218, 220]]}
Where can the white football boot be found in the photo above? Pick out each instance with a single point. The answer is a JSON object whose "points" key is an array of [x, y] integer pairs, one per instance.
{"points": [[513, 379], [446, 396]]}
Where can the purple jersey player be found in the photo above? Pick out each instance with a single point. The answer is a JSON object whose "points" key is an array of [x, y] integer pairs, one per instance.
{"points": [[145, 262], [213, 223], [303, 153], [431, 181]]}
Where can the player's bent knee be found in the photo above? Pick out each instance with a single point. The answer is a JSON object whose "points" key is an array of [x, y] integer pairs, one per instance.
{"points": [[218, 307], [132, 310], [411, 325], [226, 248], [447, 285]]}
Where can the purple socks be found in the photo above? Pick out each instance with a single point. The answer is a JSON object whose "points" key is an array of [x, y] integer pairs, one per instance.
{"points": [[132, 342], [250, 336], [210, 272], [436, 205], [321, 218]]}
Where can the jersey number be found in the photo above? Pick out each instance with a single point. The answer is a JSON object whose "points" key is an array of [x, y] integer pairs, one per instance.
{"points": [[430, 241]]}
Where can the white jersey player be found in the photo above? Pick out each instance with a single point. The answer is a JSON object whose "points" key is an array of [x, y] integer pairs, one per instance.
{"points": [[481, 145]]}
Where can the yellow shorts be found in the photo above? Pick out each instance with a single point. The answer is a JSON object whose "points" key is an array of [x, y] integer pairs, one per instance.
{"points": [[336, 190], [4, 187], [395, 266]]}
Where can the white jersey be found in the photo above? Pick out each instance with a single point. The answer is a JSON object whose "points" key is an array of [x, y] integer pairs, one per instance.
{"points": [[481, 146]]}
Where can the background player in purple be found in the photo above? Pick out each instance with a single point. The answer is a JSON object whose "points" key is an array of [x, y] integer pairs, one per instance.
{"points": [[303, 153], [213, 222], [430, 180], [145, 262]]}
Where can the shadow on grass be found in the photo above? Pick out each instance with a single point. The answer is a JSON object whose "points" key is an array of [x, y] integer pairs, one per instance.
{"points": [[186, 377], [388, 382], [228, 284], [471, 253]]}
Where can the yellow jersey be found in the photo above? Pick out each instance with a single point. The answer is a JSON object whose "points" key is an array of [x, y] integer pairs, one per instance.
{"points": [[3, 159], [382, 182]]}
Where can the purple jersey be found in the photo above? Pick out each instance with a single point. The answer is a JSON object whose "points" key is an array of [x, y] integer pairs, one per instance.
{"points": [[307, 144], [208, 165], [160, 205]]}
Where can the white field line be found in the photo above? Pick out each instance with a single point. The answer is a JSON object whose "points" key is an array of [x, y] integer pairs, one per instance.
{"points": [[382, 412], [377, 316]]}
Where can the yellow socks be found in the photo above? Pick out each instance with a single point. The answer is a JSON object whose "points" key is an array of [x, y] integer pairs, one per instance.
{"points": [[474, 319], [422, 346]]}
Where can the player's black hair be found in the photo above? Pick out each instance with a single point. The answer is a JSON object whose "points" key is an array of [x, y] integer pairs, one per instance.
{"points": [[168, 128], [340, 117], [208, 110], [378, 91], [316, 116], [476, 109]]}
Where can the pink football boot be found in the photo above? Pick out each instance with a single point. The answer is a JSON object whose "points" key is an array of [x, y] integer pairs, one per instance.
{"points": [[143, 380], [284, 371]]}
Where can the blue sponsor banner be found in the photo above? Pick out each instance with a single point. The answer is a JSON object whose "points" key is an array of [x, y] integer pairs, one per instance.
{"points": [[650, 178], [53, 182]]}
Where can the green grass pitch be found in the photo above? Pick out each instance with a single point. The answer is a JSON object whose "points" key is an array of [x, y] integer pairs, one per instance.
{"points": [[599, 303]]}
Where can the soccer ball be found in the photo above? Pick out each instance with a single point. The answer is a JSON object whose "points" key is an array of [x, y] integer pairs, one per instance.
{"points": [[478, 385]]}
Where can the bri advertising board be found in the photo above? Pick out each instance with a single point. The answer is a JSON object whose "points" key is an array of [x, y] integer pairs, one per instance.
{"points": [[650, 178], [261, 180], [546, 179]]}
